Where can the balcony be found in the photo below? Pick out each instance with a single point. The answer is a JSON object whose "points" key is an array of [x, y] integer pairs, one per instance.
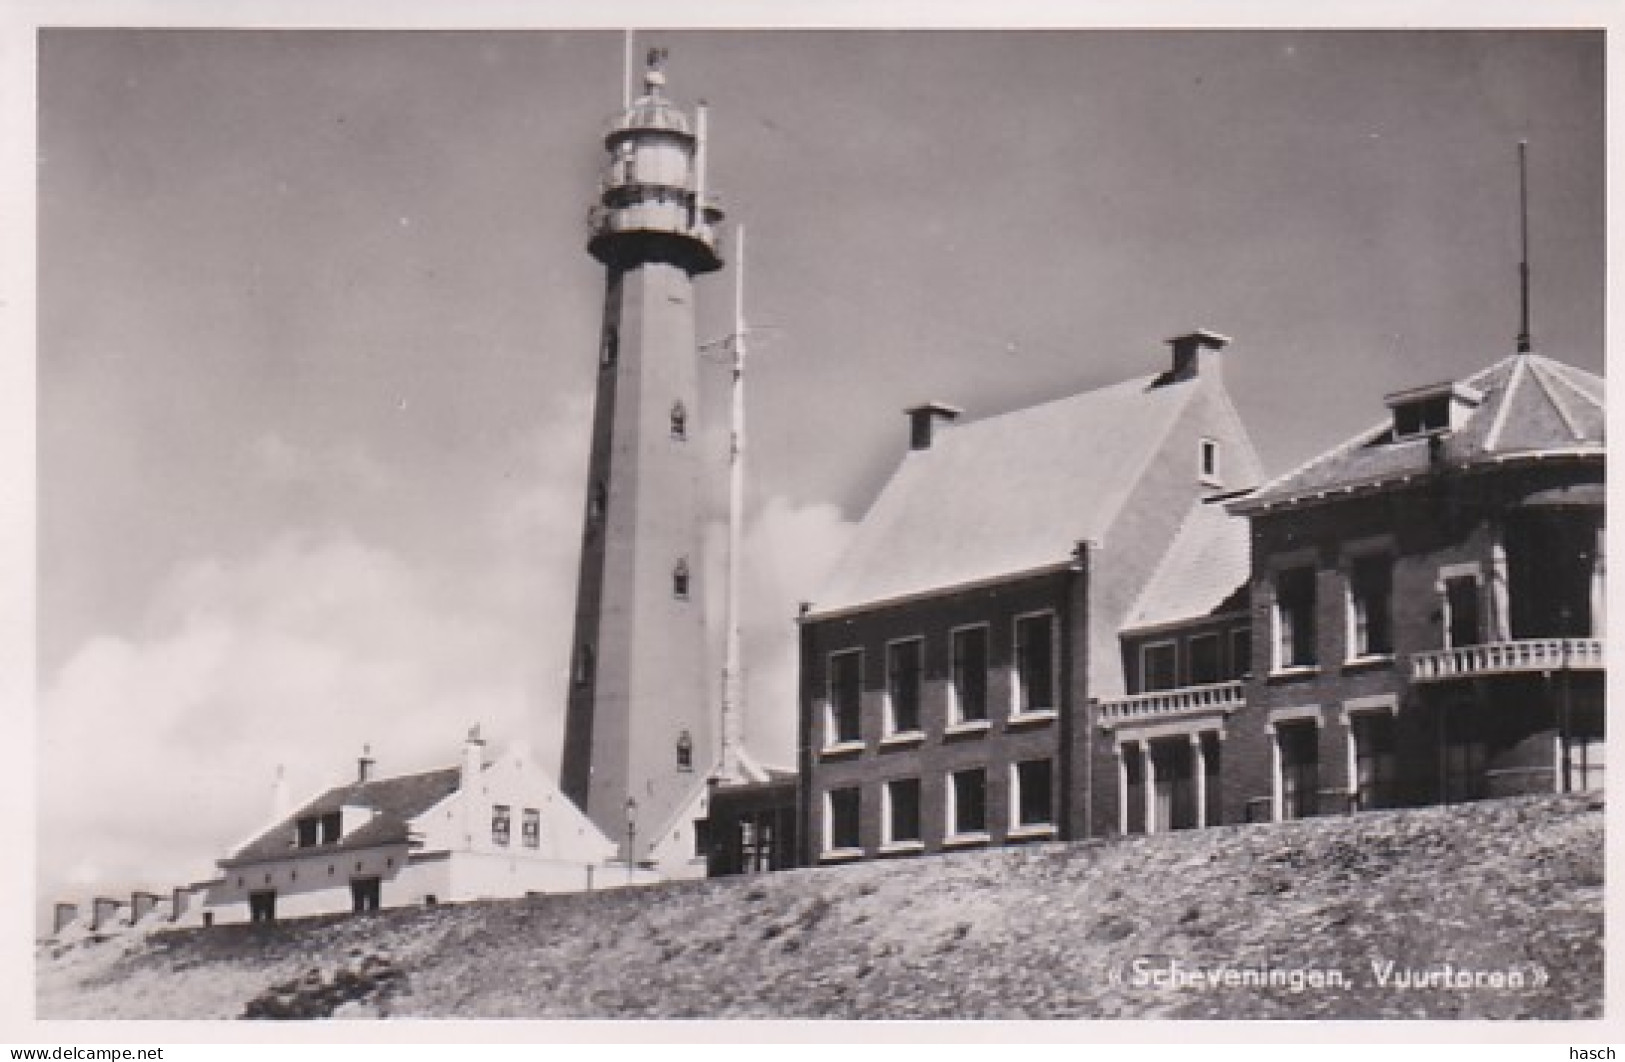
{"points": [[1186, 700], [1526, 656]]}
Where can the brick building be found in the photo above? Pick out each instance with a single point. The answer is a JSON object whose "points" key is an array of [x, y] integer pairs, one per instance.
{"points": [[1426, 606], [947, 665]]}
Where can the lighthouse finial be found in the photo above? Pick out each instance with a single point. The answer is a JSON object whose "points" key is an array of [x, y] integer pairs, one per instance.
{"points": [[655, 76]]}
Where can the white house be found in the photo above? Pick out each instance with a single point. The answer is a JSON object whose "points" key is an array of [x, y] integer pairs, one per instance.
{"points": [[474, 831]]}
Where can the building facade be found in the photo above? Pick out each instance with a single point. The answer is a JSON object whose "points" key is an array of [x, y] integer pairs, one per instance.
{"points": [[474, 831], [1426, 604], [948, 665]]}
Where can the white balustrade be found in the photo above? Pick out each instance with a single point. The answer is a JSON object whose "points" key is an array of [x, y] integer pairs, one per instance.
{"points": [[1219, 696], [1508, 658]]}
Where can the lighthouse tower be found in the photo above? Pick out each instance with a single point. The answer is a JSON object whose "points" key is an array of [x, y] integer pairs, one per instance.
{"points": [[639, 728]]}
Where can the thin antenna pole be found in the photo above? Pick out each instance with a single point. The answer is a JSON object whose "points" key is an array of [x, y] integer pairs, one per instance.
{"points": [[626, 70], [1525, 344], [732, 678], [697, 219]]}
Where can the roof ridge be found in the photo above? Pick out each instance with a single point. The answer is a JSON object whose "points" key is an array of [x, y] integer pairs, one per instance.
{"points": [[1493, 437], [1576, 379], [1539, 373], [1153, 580], [960, 427], [1150, 456]]}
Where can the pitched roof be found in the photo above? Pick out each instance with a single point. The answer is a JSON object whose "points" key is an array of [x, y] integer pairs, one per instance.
{"points": [[1006, 494], [1204, 573], [395, 801], [1531, 405]]}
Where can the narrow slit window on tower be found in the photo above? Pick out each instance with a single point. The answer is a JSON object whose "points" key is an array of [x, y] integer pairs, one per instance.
{"points": [[611, 348], [679, 421], [685, 752], [583, 669], [597, 502], [679, 580]]}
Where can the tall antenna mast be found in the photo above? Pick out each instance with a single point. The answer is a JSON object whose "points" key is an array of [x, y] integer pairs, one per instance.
{"points": [[732, 678], [626, 70], [1524, 342]]}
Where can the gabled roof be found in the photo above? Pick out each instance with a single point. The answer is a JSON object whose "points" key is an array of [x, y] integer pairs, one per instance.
{"points": [[395, 801], [1531, 406], [1204, 573], [1004, 495]]}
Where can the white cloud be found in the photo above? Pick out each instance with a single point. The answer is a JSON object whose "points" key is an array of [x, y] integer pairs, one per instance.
{"points": [[158, 751]]}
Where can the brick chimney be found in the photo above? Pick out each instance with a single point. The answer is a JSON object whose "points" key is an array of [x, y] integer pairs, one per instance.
{"points": [[364, 765], [922, 422], [1194, 354]]}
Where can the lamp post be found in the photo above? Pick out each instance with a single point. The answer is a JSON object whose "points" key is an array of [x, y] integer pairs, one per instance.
{"points": [[631, 836]]}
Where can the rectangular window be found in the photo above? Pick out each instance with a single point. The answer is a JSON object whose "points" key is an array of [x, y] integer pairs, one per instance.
{"points": [[845, 697], [1205, 665], [903, 811], [1300, 769], [1375, 767], [1461, 607], [841, 819], [967, 802], [1033, 801], [531, 828], [1241, 652], [1371, 580], [1035, 663], [970, 674], [1586, 762], [1159, 666], [1208, 460], [1295, 618], [500, 821], [307, 833], [903, 673]]}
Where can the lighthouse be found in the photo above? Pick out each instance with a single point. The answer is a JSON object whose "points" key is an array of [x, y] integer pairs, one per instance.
{"points": [[639, 728]]}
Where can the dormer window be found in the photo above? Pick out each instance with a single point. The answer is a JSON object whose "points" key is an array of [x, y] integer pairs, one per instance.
{"points": [[1432, 410], [320, 829]]}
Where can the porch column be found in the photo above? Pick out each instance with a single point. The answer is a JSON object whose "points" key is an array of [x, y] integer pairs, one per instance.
{"points": [[1500, 604], [1557, 761], [1122, 788], [1199, 778], [1353, 761], [1599, 590], [1275, 773], [1150, 775]]}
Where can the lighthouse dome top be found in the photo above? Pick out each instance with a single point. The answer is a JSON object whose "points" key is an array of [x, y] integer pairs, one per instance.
{"points": [[652, 111]]}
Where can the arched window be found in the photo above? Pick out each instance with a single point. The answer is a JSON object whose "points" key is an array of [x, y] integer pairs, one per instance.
{"points": [[679, 421], [583, 668], [611, 347], [685, 752], [679, 580]]}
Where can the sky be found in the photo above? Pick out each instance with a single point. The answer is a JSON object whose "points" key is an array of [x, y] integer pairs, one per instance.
{"points": [[316, 332]]}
